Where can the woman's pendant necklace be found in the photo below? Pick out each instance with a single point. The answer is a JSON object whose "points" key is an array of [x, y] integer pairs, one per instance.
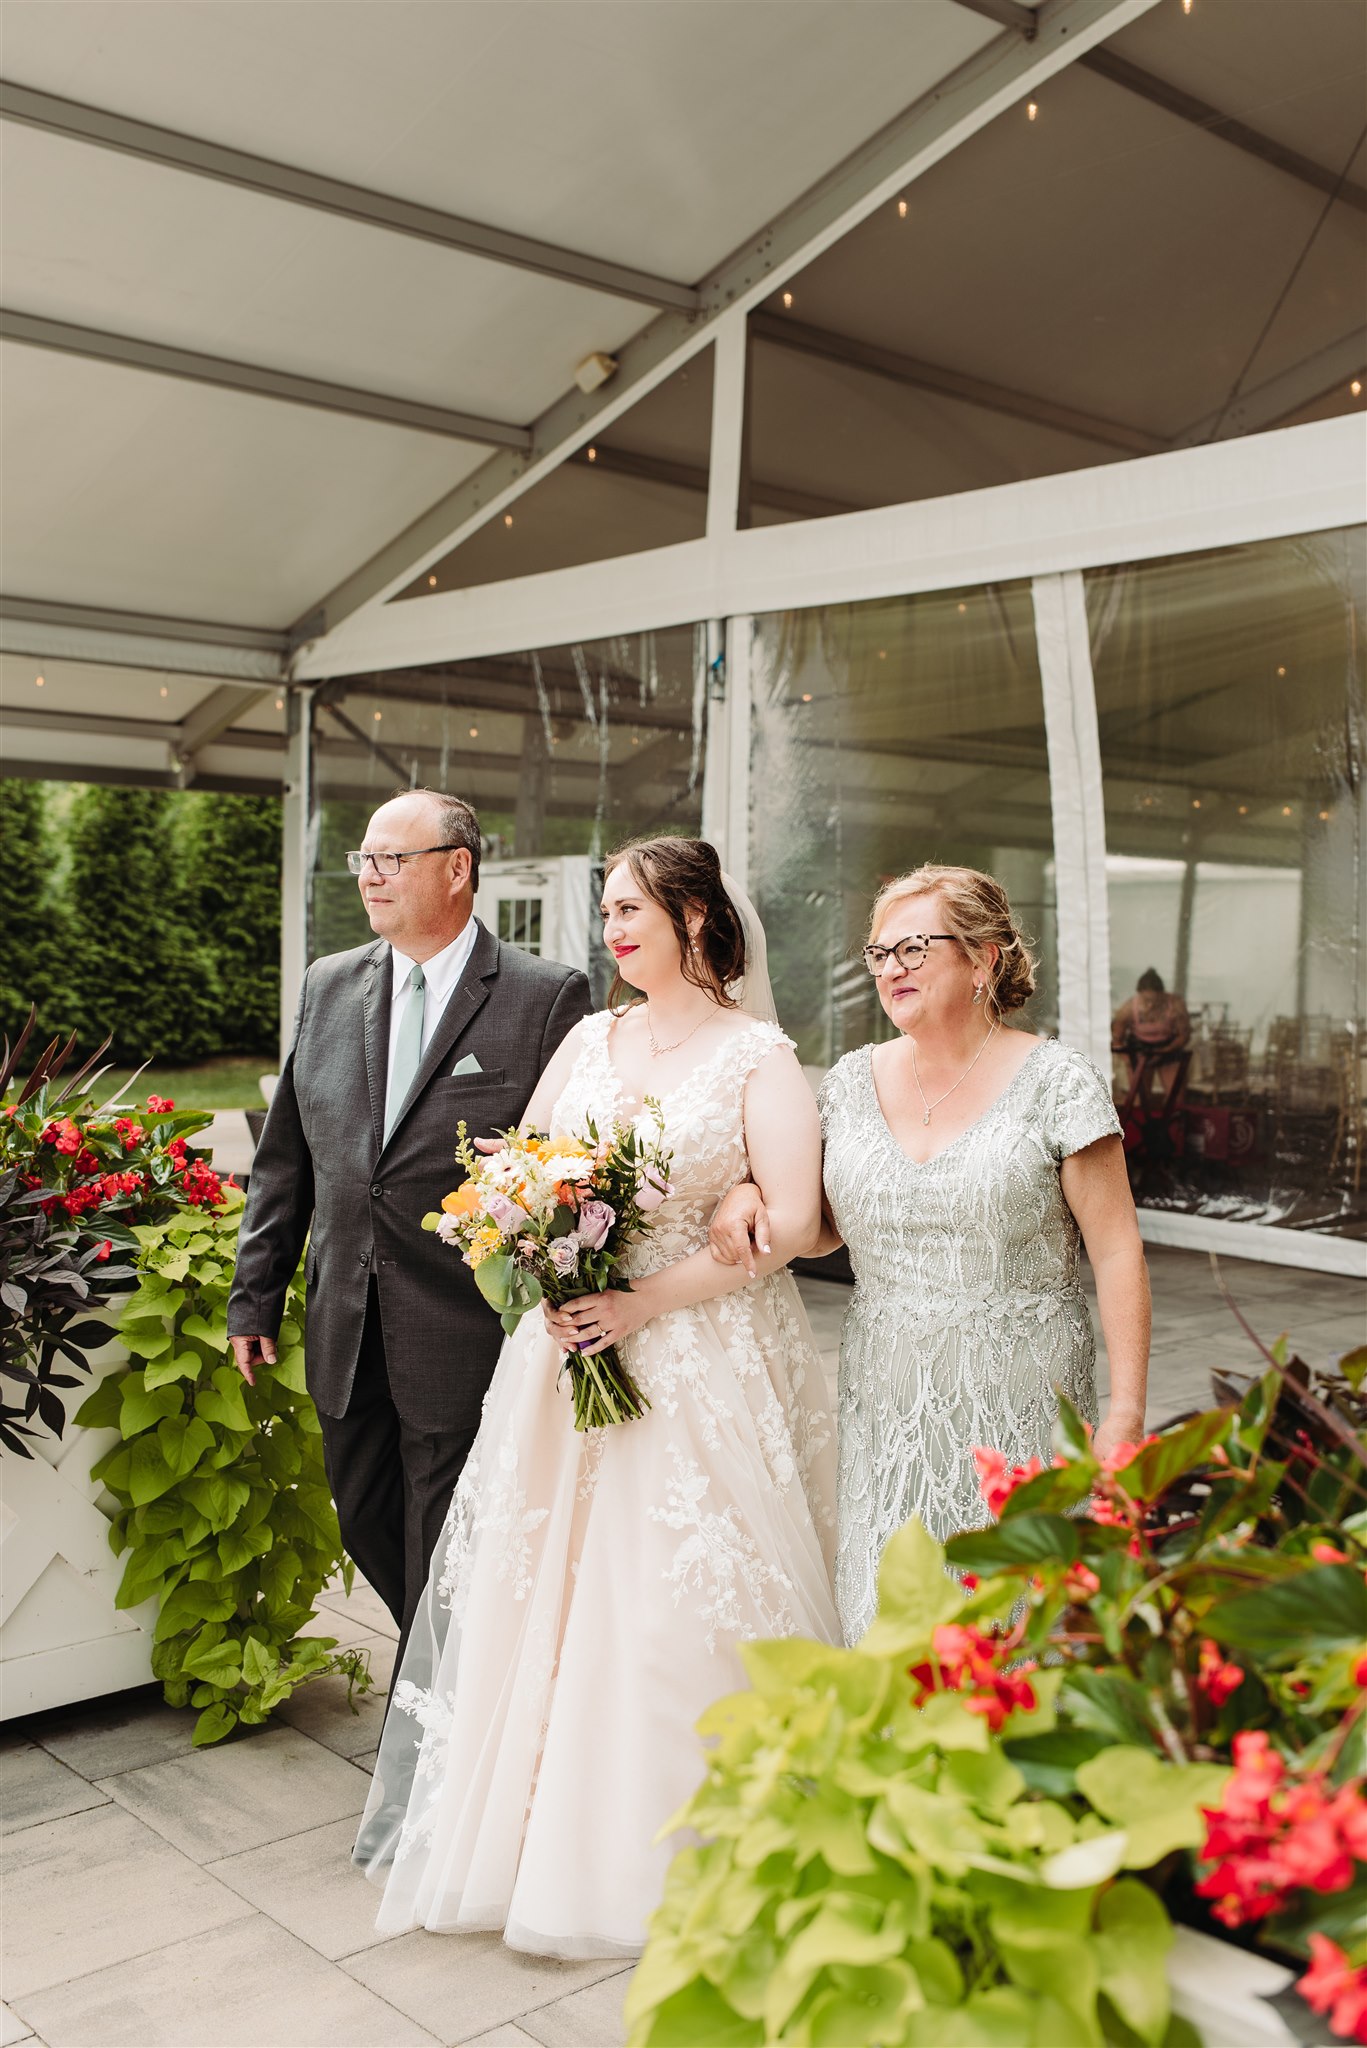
{"points": [[929, 1106], [656, 1050]]}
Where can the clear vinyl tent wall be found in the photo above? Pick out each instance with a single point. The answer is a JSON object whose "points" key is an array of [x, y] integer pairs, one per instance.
{"points": [[1116, 744]]}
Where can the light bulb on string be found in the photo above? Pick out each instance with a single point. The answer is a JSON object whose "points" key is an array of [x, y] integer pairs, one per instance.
{"points": [[279, 703], [593, 455], [38, 682], [901, 209], [164, 691], [787, 302], [1356, 387], [1186, 6], [1031, 110], [507, 519], [378, 716], [431, 582], [474, 732], [1286, 810]]}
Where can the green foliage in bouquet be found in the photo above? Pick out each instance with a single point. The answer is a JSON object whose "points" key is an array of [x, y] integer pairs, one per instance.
{"points": [[875, 1869], [224, 1509]]}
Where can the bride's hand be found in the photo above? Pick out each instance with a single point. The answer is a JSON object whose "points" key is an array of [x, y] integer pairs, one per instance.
{"points": [[594, 1321], [740, 1224]]}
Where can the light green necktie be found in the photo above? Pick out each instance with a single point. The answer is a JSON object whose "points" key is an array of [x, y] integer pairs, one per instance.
{"points": [[408, 1051]]}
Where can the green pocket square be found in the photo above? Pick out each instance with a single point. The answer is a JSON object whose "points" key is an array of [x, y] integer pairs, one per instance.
{"points": [[468, 1065]]}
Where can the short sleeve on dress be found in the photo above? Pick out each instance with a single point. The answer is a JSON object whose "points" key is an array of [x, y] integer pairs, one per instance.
{"points": [[1080, 1110]]}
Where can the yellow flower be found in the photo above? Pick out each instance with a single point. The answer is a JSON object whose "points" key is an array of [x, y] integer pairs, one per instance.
{"points": [[484, 1243]]}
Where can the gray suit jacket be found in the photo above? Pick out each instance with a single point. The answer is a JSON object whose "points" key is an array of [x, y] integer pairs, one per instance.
{"points": [[324, 1171]]}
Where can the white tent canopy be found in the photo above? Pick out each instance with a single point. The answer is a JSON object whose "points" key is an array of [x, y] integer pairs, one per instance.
{"points": [[294, 294]]}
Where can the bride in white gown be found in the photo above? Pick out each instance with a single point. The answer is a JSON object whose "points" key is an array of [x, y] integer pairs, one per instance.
{"points": [[588, 1592]]}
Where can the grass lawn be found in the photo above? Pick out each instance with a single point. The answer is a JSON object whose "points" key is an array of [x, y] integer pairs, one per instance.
{"points": [[214, 1084]]}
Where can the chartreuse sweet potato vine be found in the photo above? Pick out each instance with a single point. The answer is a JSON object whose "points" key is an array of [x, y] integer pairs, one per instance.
{"points": [[223, 1505], [873, 1870]]}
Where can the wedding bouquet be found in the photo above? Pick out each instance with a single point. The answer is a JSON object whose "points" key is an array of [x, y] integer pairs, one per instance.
{"points": [[552, 1218]]}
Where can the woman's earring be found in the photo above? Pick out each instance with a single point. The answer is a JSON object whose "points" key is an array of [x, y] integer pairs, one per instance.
{"points": [[977, 991]]}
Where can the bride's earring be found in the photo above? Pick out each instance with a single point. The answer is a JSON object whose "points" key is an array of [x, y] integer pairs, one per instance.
{"points": [[977, 991]]}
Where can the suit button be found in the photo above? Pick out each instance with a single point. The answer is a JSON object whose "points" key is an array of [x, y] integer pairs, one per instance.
{"points": [[365, 1258], [377, 1192]]}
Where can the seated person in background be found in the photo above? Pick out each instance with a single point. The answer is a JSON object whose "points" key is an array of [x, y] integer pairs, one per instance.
{"points": [[1151, 1024]]}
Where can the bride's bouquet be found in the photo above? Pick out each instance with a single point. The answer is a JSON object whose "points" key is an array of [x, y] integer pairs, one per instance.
{"points": [[552, 1218]]}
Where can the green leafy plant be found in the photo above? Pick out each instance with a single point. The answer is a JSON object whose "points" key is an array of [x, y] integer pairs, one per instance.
{"points": [[224, 1509], [1152, 1663], [876, 1869]]}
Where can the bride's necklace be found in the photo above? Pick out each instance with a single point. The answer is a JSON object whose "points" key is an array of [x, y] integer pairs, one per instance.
{"points": [[657, 1049], [929, 1106]]}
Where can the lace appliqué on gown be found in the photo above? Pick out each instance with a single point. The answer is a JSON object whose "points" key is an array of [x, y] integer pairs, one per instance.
{"points": [[967, 1311], [589, 1591]]}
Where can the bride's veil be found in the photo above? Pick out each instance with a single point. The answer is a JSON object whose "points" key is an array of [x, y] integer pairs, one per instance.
{"points": [[752, 991]]}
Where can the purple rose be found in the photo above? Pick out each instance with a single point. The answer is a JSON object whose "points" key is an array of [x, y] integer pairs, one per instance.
{"points": [[652, 1191], [595, 1221], [564, 1254], [505, 1213]]}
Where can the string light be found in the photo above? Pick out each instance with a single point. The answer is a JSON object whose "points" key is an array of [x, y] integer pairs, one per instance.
{"points": [[1286, 810], [431, 582], [963, 607], [593, 455], [1186, 6], [1281, 671], [164, 691], [507, 519], [882, 654], [1356, 387], [378, 716], [1196, 803], [1324, 815], [38, 682], [787, 302], [1031, 110], [279, 703], [1243, 810], [807, 697], [901, 209], [474, 732]]}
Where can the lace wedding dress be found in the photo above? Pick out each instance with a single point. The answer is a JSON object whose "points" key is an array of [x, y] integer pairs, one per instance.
{"points": [[589, 1591], [968, 1310]]}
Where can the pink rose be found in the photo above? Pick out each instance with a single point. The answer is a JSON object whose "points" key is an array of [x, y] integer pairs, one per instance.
{"points": [[651, 1193], [595, 1221], [564, 1254], [505, 1212]]}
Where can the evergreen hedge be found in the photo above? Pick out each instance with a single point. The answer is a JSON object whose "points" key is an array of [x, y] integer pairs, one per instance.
{"points": [[153, 914]]}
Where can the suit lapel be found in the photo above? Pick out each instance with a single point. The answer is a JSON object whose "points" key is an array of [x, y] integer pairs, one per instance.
{"points": [[376, 1003], [466, 1000]]}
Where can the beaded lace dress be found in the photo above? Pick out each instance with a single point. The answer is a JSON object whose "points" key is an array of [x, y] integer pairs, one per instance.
{"points": [[589, 1591], [967, 1310]]}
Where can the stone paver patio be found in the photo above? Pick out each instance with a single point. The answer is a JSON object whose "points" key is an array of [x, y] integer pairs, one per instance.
{"points": [[155, 1894]]}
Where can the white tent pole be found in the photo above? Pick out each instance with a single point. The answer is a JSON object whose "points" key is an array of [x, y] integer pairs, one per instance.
{"points": [[1070, 724], [295, 862], [727, 460]]}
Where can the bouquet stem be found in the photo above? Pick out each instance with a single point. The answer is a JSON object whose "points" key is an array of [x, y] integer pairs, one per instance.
{"points": [[604, 1391]]}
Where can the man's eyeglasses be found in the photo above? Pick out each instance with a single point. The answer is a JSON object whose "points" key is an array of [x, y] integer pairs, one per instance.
{"points": [[910, 952], [390, 863]]}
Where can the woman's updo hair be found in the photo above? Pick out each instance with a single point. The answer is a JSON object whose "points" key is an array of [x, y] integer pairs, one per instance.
{"points": [[682, 875], [975, 912]]}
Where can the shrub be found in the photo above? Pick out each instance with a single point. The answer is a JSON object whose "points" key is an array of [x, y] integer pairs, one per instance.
{"points": [[230, 847], [140, 974], [34, 959]]}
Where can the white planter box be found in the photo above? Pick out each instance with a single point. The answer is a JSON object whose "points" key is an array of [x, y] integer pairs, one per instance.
{"points": [[61, 1636]]}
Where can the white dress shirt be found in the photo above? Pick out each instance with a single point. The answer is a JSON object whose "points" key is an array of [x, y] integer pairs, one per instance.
{"points": [[441, 974]]}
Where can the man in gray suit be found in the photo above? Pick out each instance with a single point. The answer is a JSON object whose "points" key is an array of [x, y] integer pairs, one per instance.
{"points": [[394, 1043]]}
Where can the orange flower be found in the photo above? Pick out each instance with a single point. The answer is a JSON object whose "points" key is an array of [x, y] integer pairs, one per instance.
{"points": [[464, 1201]]}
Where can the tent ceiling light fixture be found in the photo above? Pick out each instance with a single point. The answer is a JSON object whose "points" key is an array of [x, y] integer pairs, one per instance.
{"points": [[1031, 110], [787, 302], [1356, 387], [594, 370]]}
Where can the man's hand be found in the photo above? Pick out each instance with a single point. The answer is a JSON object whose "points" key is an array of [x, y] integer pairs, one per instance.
{"points": [[249, 1352], [739, 1225]]}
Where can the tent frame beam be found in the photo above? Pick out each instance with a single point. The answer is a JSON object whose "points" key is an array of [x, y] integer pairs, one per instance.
{"points": [[191, 153], [996, 77], [133, 353]]}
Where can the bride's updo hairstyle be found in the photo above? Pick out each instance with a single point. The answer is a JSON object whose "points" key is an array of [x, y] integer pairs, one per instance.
{"points": [[975, 911], [682, 875]]}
